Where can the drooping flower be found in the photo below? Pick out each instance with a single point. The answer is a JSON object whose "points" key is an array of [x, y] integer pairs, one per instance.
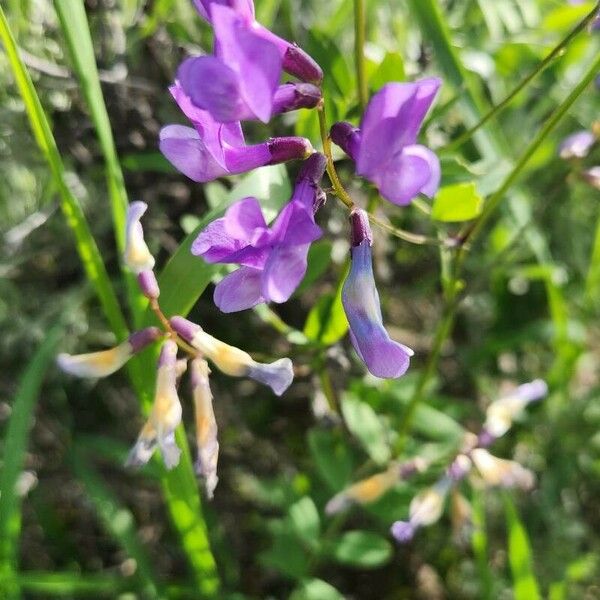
{"points": [[577, 145], [165, 416], [272, 259], [592, 176], [106, 362], [232, 361], [206, 426], [501, 413], [294, 60], [241, 81], [383, 356], [210, 149], [384, 146], [425, 509]]}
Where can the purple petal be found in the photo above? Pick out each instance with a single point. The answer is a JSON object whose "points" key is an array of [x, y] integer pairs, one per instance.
{"points": [[256, 61], [239, 290], [244, 221], [283, 272], [347, 137], [184, 148], [240, 160], [295, 224], [435, 172], [392, 120], [403, 531], [383, 356], [243, 8], [214, 244], [277, 375], [402, 178], [577, 145], [214, 87]]}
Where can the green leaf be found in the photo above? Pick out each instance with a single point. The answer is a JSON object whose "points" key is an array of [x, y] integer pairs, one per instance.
{"points": [[326, 322], [86, 246], [457, 202], [15, 445], [316, 589], [331, 457], [286, 555], [364, 423], [304, 518], [362, 549], [390, 69], [525, 586], [319, 258]]}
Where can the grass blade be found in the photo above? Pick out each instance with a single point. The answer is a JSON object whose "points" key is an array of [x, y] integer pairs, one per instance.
{"points": [[85, 243], [15, 445], [117, 519], [525, 586], [76, 30]]}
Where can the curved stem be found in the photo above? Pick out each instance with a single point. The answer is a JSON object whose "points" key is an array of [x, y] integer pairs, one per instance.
{"points": [[498, 108]]}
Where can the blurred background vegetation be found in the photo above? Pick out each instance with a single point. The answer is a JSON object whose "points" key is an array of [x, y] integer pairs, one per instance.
{"points": [[79, 525]]}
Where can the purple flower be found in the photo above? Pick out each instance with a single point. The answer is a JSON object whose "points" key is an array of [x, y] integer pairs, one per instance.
{"points": [[577, 145], [383, 356], [241, 81], [272, 259], [210, 149], [293, 59], [384, 147]]}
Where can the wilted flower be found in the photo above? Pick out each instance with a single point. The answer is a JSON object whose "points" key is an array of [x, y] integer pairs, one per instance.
{"points": [[137, 256], [501, 413], [425, 508], [501, 472], [384, 146], [106, 362], [210, 149], [577, 145], [273, 259], [241, 81], [206, 426], [370, 489], [293, 59], [165, 416], [383, 356], [233, 361]]}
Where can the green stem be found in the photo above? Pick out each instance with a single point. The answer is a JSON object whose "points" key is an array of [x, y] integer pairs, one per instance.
{"points": [[359, 52], [473, 231], [442, 333], [498, 108]]}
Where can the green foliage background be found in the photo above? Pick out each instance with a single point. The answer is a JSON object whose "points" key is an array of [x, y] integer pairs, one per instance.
{"points": [[82, 98]]}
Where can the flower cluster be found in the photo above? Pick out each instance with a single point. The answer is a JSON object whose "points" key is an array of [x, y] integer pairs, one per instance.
{"points": [[240, 81], [472, 459], [165, 416]]}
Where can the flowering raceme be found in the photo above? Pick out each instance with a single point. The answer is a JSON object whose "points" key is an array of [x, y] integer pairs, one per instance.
{"points": [[272, 259], [165, 416], [384, 146]]}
